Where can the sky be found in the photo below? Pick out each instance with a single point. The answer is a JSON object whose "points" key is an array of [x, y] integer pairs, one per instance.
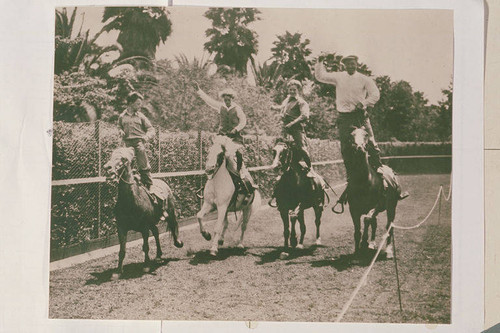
{"points": [[411, 45]]}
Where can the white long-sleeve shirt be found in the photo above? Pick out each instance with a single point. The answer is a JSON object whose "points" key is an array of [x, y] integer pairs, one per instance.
{"points": [[214, 104], [350, 89]]}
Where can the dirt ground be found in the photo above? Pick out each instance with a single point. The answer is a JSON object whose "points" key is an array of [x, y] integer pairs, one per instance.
{"points": [[313, 284]]}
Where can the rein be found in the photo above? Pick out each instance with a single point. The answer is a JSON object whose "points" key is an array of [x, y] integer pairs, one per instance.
{"points": [[120, 177]]}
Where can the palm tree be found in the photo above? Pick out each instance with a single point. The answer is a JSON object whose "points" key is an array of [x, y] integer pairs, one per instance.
{"points": [[291, 53], [142, 29], [230, 39]]}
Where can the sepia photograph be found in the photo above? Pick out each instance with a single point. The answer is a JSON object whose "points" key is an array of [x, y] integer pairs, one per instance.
{"points": [[252, 164]]}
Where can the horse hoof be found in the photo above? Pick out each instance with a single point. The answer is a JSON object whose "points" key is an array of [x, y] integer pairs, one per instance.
{"points": [[389, 252], [283, 255], [115, 276], [206, 235], [300, 246], [372, 245], [178, 244], [318, 241], [213, 253], [240, 246], [220, 242], [146, 269]]}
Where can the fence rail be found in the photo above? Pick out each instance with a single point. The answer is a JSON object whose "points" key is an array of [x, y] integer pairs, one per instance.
{"points": [[82, 206]]}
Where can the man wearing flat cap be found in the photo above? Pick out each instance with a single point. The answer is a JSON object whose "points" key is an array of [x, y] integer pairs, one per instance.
{"points": [[136, 129], [232, 120], [356, 94]]}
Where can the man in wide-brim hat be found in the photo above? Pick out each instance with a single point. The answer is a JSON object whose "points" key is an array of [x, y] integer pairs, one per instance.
{"points": [[232, 120]]}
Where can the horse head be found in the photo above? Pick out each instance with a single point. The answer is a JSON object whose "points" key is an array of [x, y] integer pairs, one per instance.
{"points": [[216, 155], [120, 160], [359, 139], [281, 155]]}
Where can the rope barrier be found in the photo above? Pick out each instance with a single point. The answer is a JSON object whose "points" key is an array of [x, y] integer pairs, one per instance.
{"points": [[362, 282]]}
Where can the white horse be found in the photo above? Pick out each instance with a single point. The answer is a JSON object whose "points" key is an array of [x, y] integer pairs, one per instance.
{"points": [[219, 191]]}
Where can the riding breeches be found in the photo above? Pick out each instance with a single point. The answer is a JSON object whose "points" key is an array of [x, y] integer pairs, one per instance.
{"points": [[142, 160], [299, 137]]}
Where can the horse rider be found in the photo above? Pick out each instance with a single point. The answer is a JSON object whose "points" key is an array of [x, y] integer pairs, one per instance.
{"points": [[294, 112], [135, 130], [356, 94], [232, 120]]}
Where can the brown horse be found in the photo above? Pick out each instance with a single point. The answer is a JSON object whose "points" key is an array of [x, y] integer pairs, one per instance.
{"points": [[296, 192], [137, 209], [366, 193]]}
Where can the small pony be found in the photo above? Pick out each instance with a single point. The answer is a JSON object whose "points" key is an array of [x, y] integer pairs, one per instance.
{"points": [[136, 209], [367, 194], [296, 192]]}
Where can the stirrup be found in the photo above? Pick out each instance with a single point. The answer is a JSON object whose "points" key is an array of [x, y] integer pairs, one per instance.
{"points": [[341, 207], [270, 202]]}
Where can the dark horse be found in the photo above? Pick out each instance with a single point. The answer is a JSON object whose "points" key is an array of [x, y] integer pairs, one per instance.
{"points": [[366, 193], [137, 209], [296, 192]]}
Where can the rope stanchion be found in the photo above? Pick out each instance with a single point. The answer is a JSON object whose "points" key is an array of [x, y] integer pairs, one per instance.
{"points": [[426, 218], [382, 243], [363, 279]]}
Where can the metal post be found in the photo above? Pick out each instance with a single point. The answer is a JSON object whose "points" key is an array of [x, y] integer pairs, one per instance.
{"points": [[397, 273], [159, 148], [200, 178], [99, 148]]}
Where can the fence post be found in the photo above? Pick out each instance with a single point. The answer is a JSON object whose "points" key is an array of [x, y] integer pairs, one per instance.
{"points": [[97, 135], [159, 148]]}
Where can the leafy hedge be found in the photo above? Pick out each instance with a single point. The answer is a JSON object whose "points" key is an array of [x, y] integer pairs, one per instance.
{"points": [[85, 211]]}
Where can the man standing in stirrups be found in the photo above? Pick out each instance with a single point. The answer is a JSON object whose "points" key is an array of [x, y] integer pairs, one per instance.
{"points": [[232, 120], [356, 94], [135, 129]]}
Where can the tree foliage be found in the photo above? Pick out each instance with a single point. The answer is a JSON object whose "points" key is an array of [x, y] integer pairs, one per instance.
{"points": [[142, 29], [230, 38], [291, 52]]}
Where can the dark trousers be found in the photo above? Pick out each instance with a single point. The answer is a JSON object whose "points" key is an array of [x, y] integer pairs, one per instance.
{"points": [[142, 160]]}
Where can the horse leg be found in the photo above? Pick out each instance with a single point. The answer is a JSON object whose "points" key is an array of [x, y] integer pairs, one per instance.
{"points": [[302, 229], [154, 230], [204, 210], [122, 237], [286, 225], [318, 211], [293, 234], [357, 231], [247, 212], [373, 222], [219, 225], [226, 223], [366, 224], [145, 248]]}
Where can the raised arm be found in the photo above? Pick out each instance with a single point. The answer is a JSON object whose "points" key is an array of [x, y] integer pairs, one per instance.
{"points": [[209, 100], [323, 76], [372, 93], [242, 118]]}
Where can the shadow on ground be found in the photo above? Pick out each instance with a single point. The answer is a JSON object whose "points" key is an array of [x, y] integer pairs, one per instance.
{"points": [[204, 257], [292, 253], [130, 271], [345, 261]]}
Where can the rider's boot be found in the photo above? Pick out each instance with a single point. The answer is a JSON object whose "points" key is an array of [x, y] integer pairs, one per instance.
{"points": [[307, 159], [247, 183]]}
